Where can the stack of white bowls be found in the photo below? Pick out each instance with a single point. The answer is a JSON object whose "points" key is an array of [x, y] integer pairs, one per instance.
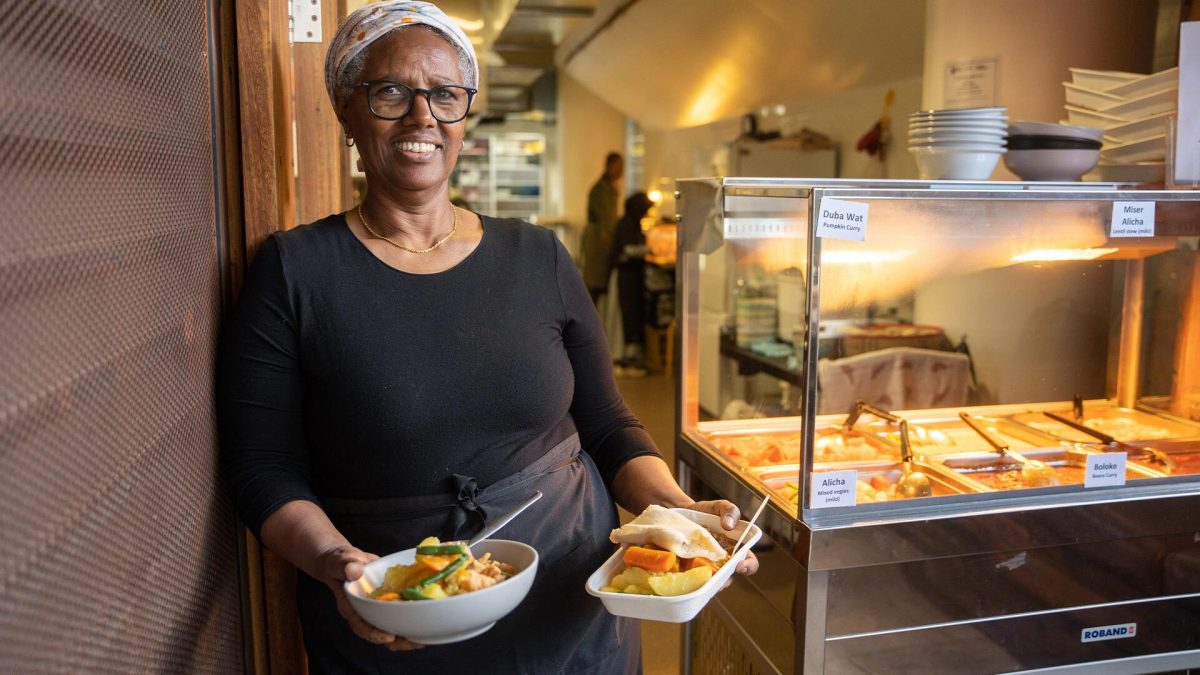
{"points": [[963, 144]]}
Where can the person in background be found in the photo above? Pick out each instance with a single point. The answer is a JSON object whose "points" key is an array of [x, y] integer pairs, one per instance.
{"points": [[408, 368], [596, 251], [628, 256]]}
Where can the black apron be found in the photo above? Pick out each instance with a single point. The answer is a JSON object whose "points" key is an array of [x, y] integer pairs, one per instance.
{"points": [[558, 628]]}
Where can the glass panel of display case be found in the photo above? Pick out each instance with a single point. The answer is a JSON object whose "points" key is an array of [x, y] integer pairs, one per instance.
{"points": [[993, 400], [992, 340], [984, 335], [750, 322]]}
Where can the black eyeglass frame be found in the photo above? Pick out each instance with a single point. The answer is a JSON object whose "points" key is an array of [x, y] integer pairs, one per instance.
{"points": [[471, 92]]}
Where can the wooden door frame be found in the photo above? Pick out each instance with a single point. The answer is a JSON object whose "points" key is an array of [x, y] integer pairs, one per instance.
{"points": [[257, 75]]}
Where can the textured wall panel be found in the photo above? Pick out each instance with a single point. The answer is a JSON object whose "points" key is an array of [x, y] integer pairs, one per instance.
{"points": [[118, 546]]}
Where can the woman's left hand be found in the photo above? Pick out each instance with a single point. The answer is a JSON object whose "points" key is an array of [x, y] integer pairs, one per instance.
{"points": [[729, 514]]}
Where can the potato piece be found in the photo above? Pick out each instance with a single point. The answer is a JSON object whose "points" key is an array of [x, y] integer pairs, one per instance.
{"points": [[634, 589], [680, 583], [399, 577], [434, 591], [637, 576]]}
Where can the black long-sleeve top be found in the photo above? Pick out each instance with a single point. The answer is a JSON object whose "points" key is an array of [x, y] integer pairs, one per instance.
{"points": [[343, 377]]}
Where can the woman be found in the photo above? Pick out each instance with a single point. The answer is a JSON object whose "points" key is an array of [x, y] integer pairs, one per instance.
{"points": [[628, 257], [408, 368]]}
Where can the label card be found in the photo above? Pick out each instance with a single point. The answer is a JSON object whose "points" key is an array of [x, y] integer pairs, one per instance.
{"points": [[1104, 470], [1113, 632], [842, 220], [834, 488], [970, 84], [1132, 219]]}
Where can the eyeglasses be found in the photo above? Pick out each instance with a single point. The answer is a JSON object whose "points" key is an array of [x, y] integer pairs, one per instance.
{"points": [[392, 100]]}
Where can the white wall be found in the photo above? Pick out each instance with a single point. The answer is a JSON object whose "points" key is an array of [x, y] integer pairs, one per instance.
{"points": [[1035, 42], [588, 130], [844, 117], [1036, 332]]}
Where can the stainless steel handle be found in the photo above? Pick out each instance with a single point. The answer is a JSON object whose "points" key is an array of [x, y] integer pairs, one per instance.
{"points": [[861, 407], [987, 435], [501, 521]]}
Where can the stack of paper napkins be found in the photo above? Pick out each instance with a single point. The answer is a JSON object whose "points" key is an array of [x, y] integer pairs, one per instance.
{"points": [[1136, 112]]}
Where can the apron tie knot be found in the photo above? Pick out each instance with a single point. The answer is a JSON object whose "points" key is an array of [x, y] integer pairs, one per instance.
{"points": [[467, 517]]}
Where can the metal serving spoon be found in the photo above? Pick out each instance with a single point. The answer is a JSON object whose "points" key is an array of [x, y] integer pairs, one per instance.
{"points": [[503, 520], [1155, 454], [912, 483], [1034, 473]]}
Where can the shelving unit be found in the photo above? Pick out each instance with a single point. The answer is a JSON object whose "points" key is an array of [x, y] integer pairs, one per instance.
{"points": [[503, 174]]}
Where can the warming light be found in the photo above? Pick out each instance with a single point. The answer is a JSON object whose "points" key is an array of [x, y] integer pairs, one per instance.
{"points": [[1056, 254], [655, 196], [862, 257]]}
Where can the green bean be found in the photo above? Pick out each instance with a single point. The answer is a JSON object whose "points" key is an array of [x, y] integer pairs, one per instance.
{"points": [[448, 549], [415, 593]]}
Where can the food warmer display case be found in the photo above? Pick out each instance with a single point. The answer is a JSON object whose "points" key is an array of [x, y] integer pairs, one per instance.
{"points": [[974, 409]]}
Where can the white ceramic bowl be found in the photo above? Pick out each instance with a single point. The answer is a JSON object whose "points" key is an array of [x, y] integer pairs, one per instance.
{"points": [[995, 111], [947, 137], [948, 163], [1052, 165], [960, 145], [997, 129], [954, 117], [453, 619], [680, 608], [1023, 128]]}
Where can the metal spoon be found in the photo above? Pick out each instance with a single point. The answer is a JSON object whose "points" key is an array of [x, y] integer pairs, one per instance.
{"points": [[1034, 473], [1157, 455], [502, 520], [912, 483]]}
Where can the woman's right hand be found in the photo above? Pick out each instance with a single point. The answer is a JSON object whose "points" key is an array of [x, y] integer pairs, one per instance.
{"points": [[345, 563]]}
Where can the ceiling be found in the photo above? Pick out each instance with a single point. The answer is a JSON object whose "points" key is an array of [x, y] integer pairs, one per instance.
{"points": [[683, 63], [673, 64], [515, 40]]}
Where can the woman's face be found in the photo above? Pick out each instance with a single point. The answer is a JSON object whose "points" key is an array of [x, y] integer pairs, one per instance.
{"points": [[415, 153]]}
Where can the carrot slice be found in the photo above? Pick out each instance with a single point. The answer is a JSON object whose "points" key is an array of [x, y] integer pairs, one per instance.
{"points": [[689, 563], [649, 559], [437, 563]]}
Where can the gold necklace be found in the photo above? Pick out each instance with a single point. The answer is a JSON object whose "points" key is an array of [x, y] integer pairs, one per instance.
{"points": [[439, 242]]}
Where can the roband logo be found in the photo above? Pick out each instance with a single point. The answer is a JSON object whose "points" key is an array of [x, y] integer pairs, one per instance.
{"points": [[1122, 630]]}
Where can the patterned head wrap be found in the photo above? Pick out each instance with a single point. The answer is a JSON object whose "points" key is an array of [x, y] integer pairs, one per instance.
{"points": [[367, 24]]}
